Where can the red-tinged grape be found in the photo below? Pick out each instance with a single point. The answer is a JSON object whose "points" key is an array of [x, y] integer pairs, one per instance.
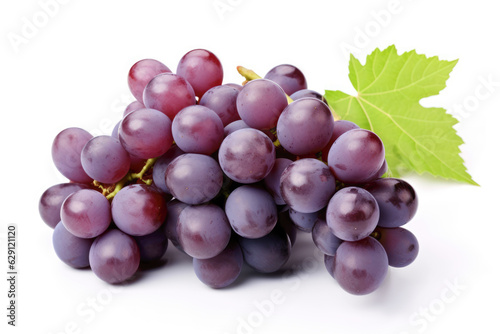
{"points": [[360, 266], [305, 126], [352, 214], [260, 104], [146, 133], [66, 151], [198, 129], [114, 256], [71, 250], [289, 77], [202, 69], [51, 201], [400, 245], [222, 100], [221, 270], [203, 230], [397, 200], [133, 106], [141, 73], [104, 159], [138, 209], [169, 93], [86, 213]]}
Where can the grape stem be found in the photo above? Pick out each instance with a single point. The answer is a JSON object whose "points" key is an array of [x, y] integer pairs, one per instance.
{"points": [[111, 190], [250, 75]]}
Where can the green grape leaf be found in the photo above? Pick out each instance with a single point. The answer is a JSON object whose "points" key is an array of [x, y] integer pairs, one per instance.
{"points": [[390, 87]]}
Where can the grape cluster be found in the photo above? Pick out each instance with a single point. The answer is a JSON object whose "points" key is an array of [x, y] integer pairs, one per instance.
{"points": [[229, 174]]}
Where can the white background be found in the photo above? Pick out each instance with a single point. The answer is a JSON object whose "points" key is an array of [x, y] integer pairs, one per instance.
{"points": [[71, 71]]}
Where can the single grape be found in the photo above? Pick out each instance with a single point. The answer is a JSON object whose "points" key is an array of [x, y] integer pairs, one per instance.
{"points": [[260, 103], [289, 77], [272, 180], [305, 126], [234, 126], [198, 129], [71, 250], [251, 211], [152, 246], [330, 264], [66, 150], [269, 253], [114, 256], [202, 69], [116, 130], [237, 86], [222, 100], [105, 160], [400, 245], [356, 156], [397, 200], [304, 221], [138, 209], [300, 94], [160, 167], [51, 201], [341, 127], [324, 238], [307, 185], [352, 213], [221, 270], [86, 213], [133, 106], [247, 156], [360, 266], [168, 93], [141, 73], [287, 224], [203, 230], [146, 133], [174, 209], [194, 178]]}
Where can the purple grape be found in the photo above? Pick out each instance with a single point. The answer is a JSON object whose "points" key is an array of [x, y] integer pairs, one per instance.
{"points": [[114, 256], [221, 270], [222, 100], [356, 156], [324, 238], [307, 185], [138, 209], [152, 246], [116, 130], [234, 126], [51, 201], [352, 214], [141, 73], [237, 86], [105, 160], [169, 93], [289, 77], [66, 150], [305, 126], [304, 221], [396, 199], [194, 178], [174, 209], [400, 245], [203, 230], [251, 211], [71, 250], [160, 167], [86, 213], [260, 103], [133, 106], [330, 264], [272, 180], [360, 266], [341, 127], [300, 94], [202, 69], [146, 133], [269, 253], [247, 155], [197, 129]]}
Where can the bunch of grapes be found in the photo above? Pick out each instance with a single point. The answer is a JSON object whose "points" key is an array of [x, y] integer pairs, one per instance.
{"points": [[229, 174]]}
